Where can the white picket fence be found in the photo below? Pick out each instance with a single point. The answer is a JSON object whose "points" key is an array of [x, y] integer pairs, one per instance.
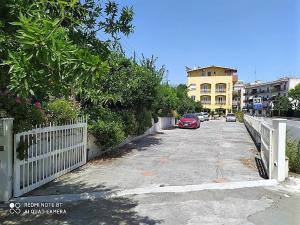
{"points": [[271, 139], [49, 153]]}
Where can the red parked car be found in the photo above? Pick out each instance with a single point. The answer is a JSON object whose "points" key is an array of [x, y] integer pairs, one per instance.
{"points": [[189, 121]]}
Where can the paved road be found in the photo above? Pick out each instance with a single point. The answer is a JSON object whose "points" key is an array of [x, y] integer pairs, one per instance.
{"points": [[218, 154], [293, 128]]}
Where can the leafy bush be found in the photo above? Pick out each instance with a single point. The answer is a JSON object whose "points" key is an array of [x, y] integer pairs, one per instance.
{"points": [[293, 153], [62, 110], [25, 115], [107, 133], [143, 118], [240, 116], [129, 122]]}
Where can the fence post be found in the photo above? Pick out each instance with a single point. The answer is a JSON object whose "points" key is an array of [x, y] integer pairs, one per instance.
{"points": [[85, 136], [6, 158], [279, 145]]}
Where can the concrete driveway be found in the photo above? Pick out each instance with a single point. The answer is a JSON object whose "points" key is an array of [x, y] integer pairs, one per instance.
{"points": [[215, 153], [179, 177]]}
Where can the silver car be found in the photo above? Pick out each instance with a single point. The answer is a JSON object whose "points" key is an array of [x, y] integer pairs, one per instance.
{"points": [[200, 117], [206, 116], [230, 117]]}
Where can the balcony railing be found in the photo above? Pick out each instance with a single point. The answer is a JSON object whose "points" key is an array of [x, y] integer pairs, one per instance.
{"points": [[220, 102], [206, 102], [235, 103], [205, 90], [220, 90]]}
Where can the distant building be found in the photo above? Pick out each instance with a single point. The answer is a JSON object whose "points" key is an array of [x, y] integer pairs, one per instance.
{"points": [[267, 91], [238, 96], [213, 86]]}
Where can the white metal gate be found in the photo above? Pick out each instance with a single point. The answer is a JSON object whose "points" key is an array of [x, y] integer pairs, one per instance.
{"points": [[49, 153], [266, 133]]}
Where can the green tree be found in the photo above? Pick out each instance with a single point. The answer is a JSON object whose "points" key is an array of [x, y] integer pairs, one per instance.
{"points": [[167, 100], [282, 105], [185, 103], [50, 50], [294, 94]]}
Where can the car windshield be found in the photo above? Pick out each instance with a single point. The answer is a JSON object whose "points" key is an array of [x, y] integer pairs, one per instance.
{"points": [[205, 113], [199, 114], [230, 114], [188, 116]]}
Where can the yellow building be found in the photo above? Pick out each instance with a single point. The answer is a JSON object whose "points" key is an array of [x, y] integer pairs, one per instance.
{"points": [[212, 86]]}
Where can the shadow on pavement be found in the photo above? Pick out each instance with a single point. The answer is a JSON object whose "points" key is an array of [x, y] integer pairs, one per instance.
{"points": [[115, 211], [61, 186], [144, 143], [140, 145]]}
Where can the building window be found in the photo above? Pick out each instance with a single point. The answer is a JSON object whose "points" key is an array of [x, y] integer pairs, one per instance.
{"points": [[192, 87], [203, 73], [208, 73], [205, 87], [193, 97]]}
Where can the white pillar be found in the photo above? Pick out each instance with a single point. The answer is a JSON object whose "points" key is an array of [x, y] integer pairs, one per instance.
{"points": [[6, 158], [279, 145]]}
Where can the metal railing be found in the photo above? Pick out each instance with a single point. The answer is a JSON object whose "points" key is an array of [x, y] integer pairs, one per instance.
{"points": [[205, 90]]}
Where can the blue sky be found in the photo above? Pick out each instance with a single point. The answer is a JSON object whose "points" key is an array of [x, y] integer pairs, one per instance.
{"points": [[250, 35]]}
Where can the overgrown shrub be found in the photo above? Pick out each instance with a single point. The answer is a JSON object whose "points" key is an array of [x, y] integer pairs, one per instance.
{"points": [[107, 133], [240, 116], [62, 110], [26, 115], [293, 153], [129, 122], [108, 127], [143, 118]]}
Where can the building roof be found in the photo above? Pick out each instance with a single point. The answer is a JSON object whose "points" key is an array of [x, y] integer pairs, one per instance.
{"points": [[212, 66], [260, 83]]}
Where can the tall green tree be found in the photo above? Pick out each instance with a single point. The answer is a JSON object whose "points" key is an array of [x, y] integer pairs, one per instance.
{"points": [[185, 103], [282, 105], [51, 45], [294, 94]]}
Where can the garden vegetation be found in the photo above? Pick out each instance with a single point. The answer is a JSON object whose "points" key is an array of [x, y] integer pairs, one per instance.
{"points": [[63, 59]]}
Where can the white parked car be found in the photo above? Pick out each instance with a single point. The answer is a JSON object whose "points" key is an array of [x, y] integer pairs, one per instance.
{"points": [[206, 116], [200, 117], [230, 117]]}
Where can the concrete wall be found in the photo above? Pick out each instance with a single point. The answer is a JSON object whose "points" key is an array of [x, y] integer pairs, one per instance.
{"points": [[162, 124]]}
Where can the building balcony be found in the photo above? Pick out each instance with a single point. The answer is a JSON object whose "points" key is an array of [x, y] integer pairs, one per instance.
{"points": [[206, 102], [235, 103], [220, 90], [220, 102], [205, 91]]}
